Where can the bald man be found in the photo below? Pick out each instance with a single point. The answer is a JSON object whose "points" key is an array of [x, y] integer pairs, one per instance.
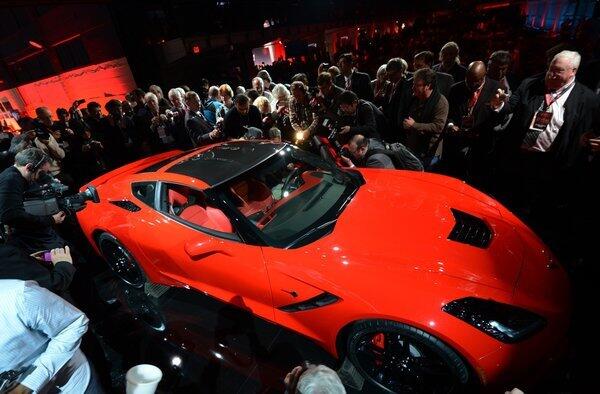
{"points": [[468, 142]]}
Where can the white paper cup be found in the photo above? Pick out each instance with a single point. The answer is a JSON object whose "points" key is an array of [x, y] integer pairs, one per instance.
{"points": [[143, 379]]}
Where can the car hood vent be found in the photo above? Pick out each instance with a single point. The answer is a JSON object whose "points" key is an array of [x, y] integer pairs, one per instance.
{"points": [[126, 204], [470, 230]]}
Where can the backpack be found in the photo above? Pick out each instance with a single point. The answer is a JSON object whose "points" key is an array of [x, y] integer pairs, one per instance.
{"points": [[401, 156]]}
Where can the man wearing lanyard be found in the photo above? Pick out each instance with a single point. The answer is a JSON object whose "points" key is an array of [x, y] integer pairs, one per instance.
{"points": [[542, 151], [468, 141]]}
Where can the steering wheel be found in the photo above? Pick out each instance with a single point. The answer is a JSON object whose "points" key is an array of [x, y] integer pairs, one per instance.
{"points": [[288, 180]]}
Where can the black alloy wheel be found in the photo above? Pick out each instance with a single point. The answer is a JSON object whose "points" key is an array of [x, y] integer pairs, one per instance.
{"points": [[120, 261], [398, 358]]}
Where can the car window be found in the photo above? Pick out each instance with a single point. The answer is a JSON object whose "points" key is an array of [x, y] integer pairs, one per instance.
{"points": [[291, 195], [145, 192], [191, 206]]}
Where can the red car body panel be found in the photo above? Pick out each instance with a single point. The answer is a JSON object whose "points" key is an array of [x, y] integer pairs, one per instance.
{"points": [[388, 257]]}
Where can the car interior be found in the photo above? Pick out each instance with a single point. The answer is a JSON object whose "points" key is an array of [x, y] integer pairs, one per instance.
{"points": [[191, 205]]}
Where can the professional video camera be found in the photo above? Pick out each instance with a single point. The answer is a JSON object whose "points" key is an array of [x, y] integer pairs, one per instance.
{"points": [[49, 198]]}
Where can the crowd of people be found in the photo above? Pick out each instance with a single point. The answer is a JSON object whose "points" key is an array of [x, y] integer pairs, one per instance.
{"points": [[533, 144]]}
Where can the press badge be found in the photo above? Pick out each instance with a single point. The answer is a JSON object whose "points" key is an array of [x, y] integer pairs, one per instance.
{"points": [[541, 120]]}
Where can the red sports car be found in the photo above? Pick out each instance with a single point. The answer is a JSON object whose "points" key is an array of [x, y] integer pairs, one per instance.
{"points": [[418, 281]]}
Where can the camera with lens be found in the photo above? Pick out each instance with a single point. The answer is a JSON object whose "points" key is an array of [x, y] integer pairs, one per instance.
{"points": [[50, 198]]}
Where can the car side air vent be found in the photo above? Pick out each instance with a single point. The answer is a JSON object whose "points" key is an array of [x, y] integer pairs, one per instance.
{"points": [[470, 230], [320, 300], [126, 204]]}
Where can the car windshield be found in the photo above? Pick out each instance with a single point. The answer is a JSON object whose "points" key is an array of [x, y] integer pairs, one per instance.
{"points": [[292, 198]]}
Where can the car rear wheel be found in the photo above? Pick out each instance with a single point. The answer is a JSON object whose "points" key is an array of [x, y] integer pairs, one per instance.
{"points": [[120, 261], [399, 358]]}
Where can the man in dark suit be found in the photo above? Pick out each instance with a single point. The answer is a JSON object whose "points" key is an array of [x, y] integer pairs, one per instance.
{"points": [[469, 140], [400, 97], [359, 117], [353, 80], [199, 129], [543, 150], [450, 62], [443, 81], [243, 119], [367, 152]]}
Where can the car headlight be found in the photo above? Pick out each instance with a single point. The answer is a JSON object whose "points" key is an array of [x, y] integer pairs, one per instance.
{"points": [[504, 322]]}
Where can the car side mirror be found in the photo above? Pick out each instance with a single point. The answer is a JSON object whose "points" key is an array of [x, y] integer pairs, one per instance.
{"points": [[204, 248]]}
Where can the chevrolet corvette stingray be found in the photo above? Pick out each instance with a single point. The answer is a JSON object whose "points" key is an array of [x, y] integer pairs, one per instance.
{"points": [[418, 281]]}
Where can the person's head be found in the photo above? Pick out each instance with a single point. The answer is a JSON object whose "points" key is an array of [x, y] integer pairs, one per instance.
{"points": [[449, 54], [358, 146], [395, 69], [258, 84], [323, 67], [263, 105], [193, 101], [381, 73], [127, 108], [32, 163], [138, 96], [348, 102], [94, 110], [264, 75], [185, 88], [156, 90], [280, 93], [62, 114], [423, 83], [423, 60], [319, 379], [475, 76], [562, 69], [213, 93], [252, 94], [299, 90], [226, 93], [498, 64], [325, 83], [346, 63], [242, 104], [176, 98], [44, 116], [114, 108], [334, 71], [300, 77], [240, 90], [151, 101]]}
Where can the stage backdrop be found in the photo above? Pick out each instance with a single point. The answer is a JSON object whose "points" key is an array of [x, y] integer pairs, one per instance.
{"points": [[99, 82]]}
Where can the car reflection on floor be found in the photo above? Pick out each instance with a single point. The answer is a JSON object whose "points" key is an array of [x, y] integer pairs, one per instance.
{"points": [[200, 344]]}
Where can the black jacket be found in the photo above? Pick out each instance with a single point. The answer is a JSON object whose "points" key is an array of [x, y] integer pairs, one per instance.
{"points": [[12, 212], [198, 128], [375, 156], [580, 107], [15, 264], [458, 71], [483, 116], [235, 125], [368, 121], [444, 82], [395, 108], [360, 83]]}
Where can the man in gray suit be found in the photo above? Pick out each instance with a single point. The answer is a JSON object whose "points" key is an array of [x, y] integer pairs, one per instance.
{"points": [[444, 81]]}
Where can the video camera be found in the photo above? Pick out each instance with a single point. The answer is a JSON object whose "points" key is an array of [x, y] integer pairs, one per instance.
{"points": [[49, 198]]}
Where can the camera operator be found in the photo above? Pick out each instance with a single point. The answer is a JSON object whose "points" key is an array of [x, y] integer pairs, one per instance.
{"points": [[55, 276], [359, 117], [33, 233], [367, 152]]}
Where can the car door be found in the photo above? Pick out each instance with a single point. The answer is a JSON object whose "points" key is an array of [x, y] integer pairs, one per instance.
{"points": [[204, 257]]}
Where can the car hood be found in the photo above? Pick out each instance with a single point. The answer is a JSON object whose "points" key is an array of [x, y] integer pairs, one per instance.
{"points": [[402, 222]]}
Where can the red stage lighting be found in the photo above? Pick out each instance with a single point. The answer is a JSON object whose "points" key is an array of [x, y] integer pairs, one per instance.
{"points": [[35, 44]]}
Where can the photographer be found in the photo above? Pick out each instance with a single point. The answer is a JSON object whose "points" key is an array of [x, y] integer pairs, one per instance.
{"points": [[367, 152], [359, 117], [33, 233]]}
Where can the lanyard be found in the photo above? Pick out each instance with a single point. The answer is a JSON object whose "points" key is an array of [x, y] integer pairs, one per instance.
{"points": [[549, 99], [474, 99]]}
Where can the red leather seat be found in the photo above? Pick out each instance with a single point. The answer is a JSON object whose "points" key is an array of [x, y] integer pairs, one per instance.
{"points": [[255, 195], [208, 217]]}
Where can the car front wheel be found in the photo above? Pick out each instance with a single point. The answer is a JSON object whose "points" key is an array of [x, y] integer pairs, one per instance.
{"points": [[398, 358]]}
